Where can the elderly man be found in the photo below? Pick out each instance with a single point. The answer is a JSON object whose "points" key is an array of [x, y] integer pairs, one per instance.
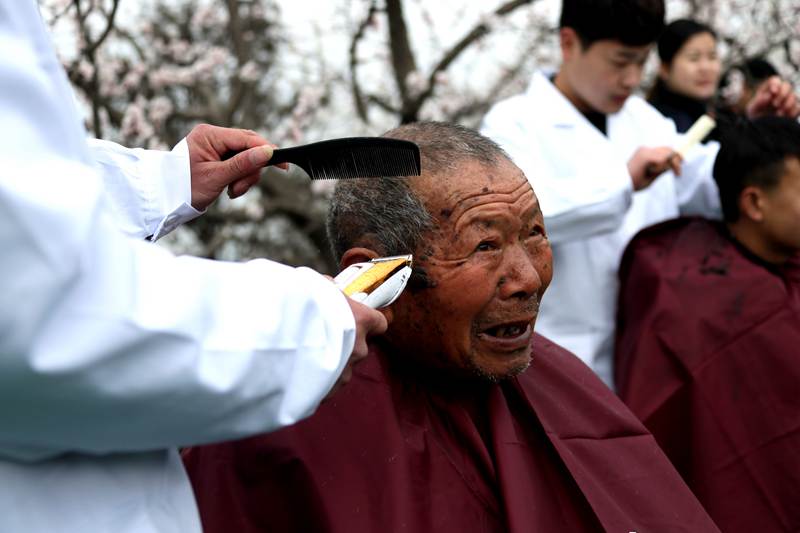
{"points": [[464, 419]]}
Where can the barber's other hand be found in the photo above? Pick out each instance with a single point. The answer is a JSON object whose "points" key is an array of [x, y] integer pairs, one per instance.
{"points": [[774, 97], [369, 322], [208, 145], [646, 164]]}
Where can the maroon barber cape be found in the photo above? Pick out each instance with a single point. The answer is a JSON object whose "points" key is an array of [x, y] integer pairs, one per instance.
{"points": [[708, 356], [550, 451]]}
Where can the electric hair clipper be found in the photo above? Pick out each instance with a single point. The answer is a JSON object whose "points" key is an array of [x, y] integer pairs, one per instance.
{"points": [[377, 283]]}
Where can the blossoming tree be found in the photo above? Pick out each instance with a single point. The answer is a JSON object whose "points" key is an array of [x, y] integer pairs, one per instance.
{"points": [[345, 67]]}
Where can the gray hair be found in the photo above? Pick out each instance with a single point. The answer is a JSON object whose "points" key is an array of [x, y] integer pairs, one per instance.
{"points": [[387, 211]]}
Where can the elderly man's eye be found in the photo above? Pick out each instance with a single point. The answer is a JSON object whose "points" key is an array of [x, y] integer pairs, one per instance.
{"points": [[536, 231], [485, 246]]}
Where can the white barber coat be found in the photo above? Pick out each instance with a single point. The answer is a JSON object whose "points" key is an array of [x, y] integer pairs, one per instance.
{"points": [[112, 351], [590, 209]]}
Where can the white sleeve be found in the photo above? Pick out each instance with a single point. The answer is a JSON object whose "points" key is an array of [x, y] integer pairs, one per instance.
{"points": [[109, 343], [581, 194], [697, 191], [149, 191]]}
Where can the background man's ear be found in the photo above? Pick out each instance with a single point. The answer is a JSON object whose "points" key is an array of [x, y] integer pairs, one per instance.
{"points": [[751, 203], [357, 255], [570, 43]]}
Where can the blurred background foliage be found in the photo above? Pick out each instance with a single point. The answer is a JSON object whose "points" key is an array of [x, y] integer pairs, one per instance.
{"points": [[147, 72]]}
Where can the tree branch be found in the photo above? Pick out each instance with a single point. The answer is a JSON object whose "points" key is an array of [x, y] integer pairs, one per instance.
{"points": [[403, 62], [383, 104], [92, 46], [358, 99], [235, 31], [411, 109]]}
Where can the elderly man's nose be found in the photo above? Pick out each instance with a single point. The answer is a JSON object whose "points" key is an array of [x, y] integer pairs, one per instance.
{"points": [[520, 278]]}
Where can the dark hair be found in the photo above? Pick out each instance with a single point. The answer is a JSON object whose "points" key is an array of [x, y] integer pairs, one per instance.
{"points": [[387, 210], [675, 36], [752, 152], [755, 70], [632, 22]]}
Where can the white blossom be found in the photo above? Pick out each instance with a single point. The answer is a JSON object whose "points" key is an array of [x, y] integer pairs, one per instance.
{"points": [[249, 71], [160, 108], [416, 82], [85, 69]]}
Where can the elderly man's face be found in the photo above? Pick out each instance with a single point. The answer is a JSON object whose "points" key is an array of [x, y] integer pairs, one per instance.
{"points": [[487, 265]]}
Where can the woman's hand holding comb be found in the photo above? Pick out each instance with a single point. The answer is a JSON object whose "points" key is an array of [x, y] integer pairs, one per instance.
{"points": [[212, 167]]}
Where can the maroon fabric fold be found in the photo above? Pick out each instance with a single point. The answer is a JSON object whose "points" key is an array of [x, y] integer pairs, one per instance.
{"points": [[551, 450], [708, 356]]}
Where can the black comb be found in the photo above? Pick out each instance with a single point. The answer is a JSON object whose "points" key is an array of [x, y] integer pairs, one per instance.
{"points": [[353, 157]]}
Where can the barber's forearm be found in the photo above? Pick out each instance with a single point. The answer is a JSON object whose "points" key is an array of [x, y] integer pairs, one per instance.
{"points": [[169, 352]]}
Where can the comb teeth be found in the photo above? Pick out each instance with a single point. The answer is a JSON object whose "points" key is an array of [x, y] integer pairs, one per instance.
{"points": [[353, 157], [360, 162]]}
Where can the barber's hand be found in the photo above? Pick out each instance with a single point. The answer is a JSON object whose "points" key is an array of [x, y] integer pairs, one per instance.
{"points": [[646, 164], [774, 97], [369, 322], [211, 173]]}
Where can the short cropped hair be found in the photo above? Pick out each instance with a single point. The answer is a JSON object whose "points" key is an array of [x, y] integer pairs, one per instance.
{"points": [[752, 153], [387, 210], [753, 71], [632, 22]]}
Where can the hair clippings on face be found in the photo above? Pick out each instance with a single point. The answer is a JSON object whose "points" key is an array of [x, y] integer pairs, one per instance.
{"points": [[376, 283]]}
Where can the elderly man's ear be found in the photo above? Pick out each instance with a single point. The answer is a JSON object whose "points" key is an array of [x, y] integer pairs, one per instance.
{"points": [[364, 255], [357, 255]]}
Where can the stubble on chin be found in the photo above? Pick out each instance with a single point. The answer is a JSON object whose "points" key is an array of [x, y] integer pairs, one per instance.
{"points": [[492, 377]]}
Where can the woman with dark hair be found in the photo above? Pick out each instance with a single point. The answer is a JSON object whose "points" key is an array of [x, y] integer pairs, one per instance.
{"points": [[689, 72]]}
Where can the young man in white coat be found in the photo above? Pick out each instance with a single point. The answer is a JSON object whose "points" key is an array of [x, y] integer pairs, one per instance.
{"points": [[113, 352], [603, 162]]}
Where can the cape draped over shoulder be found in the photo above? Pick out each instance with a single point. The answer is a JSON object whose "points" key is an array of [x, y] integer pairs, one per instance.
{"points": [[708, 356], [550, 450]]}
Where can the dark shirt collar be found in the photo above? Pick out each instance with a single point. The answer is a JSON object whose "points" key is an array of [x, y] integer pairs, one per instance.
{"points": [[680, 108], [598, 120]]}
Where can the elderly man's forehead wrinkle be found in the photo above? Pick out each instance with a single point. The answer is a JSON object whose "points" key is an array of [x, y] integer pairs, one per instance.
{"points": [[522, 193]]}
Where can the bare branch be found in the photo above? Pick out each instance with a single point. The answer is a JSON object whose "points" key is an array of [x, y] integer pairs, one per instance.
{"points": [[356, 87], [235, 30], [383, 104], [92, 46], [128, 37], [788, 56], [56, 16], [411, 109], [403, 62]]}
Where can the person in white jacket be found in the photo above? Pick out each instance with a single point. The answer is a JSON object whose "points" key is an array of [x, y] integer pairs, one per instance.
{"points": [[603, 163], [113, 352]]}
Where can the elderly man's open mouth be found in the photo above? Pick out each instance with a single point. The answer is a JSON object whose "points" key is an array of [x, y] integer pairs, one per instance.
{"points": [[508, 336]]}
